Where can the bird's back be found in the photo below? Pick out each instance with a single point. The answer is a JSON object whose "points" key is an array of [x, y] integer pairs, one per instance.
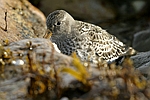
{"points": [[95, 43]]}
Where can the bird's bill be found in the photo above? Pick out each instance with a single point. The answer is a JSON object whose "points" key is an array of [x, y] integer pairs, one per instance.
{"points": [[47, 34]]}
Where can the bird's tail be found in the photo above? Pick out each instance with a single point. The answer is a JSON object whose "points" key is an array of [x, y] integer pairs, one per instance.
{"points": [[130, 51]]}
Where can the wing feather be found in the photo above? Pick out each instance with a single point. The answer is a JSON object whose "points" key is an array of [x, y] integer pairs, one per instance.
{"points": [[105, 45]]}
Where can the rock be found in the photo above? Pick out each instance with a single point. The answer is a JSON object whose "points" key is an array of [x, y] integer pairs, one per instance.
{"points": [[23, 20], [36, 54], [31, 69], [92, 11], [130, 8], [141, 40], [142, 62], [43, 64], [96, 11], [39, 47]]}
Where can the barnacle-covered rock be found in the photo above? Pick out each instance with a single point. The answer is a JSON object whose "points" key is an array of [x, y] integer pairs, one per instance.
{"points": [[19, 19], [30, 67], [39, 71]]}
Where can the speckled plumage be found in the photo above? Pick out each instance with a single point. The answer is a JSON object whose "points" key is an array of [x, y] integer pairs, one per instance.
{"points": [[87, 40]]}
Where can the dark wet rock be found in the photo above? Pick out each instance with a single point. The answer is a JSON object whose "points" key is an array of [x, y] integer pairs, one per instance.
{"points": [[126, 29], [142, 62], [92, 11], [97, 10], [128, 8], [141, 41]]}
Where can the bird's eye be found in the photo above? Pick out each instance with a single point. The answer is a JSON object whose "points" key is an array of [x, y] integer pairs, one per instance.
{"points": [[58, 23]]}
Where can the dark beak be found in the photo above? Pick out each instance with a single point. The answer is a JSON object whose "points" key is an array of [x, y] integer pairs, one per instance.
{"points": [[47, 34]]}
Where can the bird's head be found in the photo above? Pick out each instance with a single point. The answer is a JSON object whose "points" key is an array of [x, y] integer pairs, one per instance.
{"points": [[58, 23]]}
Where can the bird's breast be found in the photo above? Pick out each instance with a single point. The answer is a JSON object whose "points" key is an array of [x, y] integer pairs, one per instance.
{"points": [[66, 45]]}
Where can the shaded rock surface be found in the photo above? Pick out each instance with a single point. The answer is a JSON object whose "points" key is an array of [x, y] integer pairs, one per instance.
{"points": [[141, 40], [92, 11], [125, 30], [142, 62], [128, 8], [97, 10]]}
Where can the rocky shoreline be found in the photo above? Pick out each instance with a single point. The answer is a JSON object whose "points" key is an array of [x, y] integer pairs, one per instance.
{"points": [[30, 68]]}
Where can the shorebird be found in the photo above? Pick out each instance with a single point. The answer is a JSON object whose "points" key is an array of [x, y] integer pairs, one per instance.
{"points": [[89, 41]]}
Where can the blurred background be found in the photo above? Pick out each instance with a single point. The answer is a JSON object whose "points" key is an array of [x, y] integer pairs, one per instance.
{"points": [[129, 20]]}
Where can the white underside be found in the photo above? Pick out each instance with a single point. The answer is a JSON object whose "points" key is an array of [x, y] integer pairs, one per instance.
{"points": [[56, 48]]}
